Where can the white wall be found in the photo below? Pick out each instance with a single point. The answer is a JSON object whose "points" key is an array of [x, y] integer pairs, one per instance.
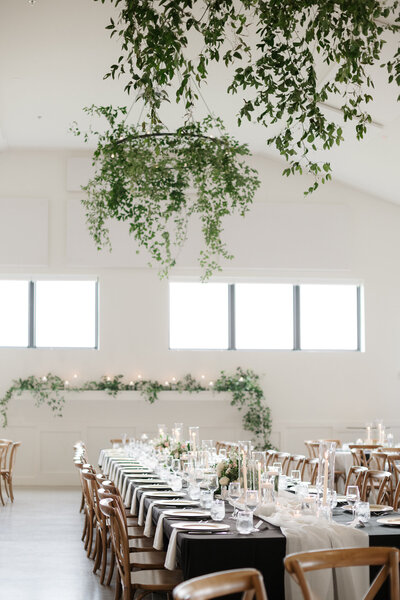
{"points": [[310, 393]]}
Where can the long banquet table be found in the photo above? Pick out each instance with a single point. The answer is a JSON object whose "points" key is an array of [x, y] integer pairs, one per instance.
{"points": [[198, 554]]}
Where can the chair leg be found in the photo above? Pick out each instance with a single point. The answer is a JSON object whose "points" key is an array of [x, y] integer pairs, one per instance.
{"points": [[89, 540], [6, 484], [103, 557], [82, 503], [97, 551], [10, 487], [118, 587], [112, 565], [84, 528], [95, 546], [1, 495]]}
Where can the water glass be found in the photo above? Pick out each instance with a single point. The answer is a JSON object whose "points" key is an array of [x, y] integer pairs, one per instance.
{"points": [[252, 499], [176, 483], [277, 466], [244, 522], [363, 513], [234, 495], [302, 489], [194, 491], [206, 498], [295, 476], [352, 496], [217, 510], [309, 505]]}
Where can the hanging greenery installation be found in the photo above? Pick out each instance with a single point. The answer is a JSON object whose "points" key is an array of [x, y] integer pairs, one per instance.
{"points": [[288, 59], [156, 181]]}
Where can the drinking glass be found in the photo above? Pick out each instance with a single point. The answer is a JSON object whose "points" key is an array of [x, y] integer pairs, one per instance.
{"points": [[217, 510], [176, 483], [212, 483], [194, 492], [252, 499], [295, 476], [206, 498], [244, 522], [176, 464], [277, 466], [352, 496], [234, 495], [362, 510]]}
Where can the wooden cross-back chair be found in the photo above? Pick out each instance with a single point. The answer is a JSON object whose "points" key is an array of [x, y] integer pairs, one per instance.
{"points": [[309, 470], [378, 483], [249, 582], [128, 582], [362, 453], [355, 476], [312, 448], [394, 467], [3, 456], [396, 497], [301, 563], [7, 472], [270, 457], [295, 463]]}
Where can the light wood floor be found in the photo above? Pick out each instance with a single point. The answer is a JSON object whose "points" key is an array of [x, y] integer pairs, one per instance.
{"points": [[41, 553]]}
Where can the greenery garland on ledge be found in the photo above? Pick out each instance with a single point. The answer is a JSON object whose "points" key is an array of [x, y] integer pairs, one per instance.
{"points": [[247, 395]]}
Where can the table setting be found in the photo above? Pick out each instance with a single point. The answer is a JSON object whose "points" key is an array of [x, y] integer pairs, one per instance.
{"points": [[208, 524]]}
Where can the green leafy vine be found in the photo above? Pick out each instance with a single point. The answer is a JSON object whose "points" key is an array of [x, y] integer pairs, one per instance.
{"points": [[247, 395], [289, 59], [156, 181]]}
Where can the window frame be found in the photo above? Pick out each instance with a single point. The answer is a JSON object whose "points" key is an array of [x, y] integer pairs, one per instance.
{"points": [[32, 314], [296, 320]]}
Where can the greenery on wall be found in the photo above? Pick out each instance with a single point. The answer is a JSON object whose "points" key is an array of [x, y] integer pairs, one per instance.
{"points": [[156, 180], [278, 51], [247, 395]]}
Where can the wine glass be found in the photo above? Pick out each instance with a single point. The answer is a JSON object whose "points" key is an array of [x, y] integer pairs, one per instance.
{"points": [[252, 499], [212, 483], [176, 465], [352, 497], [277, 466], [234, 495]]}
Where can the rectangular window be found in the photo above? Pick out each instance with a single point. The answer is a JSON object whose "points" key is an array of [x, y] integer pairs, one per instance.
{"points": [[65, 314], [14, 313], [328, 317], [198, 316], [263, 316], [48, 314]]}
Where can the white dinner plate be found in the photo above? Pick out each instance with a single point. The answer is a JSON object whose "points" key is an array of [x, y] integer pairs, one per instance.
{"points": [[167, 494], [391, 521], [183, 526], [155, 486], [177, 502], [374, 508], [190, 513], [143, 480]]}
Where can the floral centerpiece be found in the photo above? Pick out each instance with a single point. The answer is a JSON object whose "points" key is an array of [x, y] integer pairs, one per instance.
{"points": [[228, 470], [177, 449], [163, 443]]}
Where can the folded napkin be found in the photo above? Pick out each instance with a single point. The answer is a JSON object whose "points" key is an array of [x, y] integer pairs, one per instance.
{"points": [[148, 526], [158, 542], [307, 532], [170, 559], [141, 508]]}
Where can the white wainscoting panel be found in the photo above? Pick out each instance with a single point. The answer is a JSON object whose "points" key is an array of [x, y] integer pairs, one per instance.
{"points": [[23, 232], [45, 457]]}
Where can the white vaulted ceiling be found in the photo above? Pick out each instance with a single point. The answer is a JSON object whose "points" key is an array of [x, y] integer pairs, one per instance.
{"points": [[54, 53]]}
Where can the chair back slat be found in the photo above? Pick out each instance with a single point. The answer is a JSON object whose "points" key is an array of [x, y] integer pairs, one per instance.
{"points": [[249, 582], [297, 565]]}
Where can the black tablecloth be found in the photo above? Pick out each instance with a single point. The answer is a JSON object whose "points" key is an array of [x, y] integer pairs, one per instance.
{"points": [[264, 550]]}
